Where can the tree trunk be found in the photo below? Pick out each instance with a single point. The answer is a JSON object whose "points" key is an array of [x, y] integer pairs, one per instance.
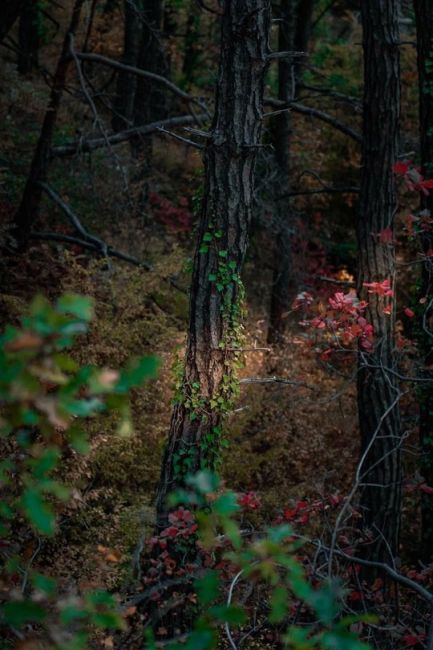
{"points": [[424, 26], [150, 103], [282, 282], [29, 37], [9, 12], [127, 83], [294, 30], [378, 394], [191, 44], [30, 203], [208, 385]]}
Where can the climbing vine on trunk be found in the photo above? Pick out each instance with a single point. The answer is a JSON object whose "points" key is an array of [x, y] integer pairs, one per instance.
{"points": [[208, 386]]}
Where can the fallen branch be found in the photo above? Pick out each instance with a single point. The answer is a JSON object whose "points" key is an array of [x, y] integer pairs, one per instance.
{"points": [[85, 146]]}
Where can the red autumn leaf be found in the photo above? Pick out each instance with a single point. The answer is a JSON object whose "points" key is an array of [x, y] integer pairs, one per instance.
{"points": [[427, 184], [355, 596], [409, 313], [400, 168], [410, 640], [426, 488]]}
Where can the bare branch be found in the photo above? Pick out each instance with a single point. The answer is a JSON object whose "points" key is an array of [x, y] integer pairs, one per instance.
{"points": [[117, 65], [86, 146], [313, 112]]}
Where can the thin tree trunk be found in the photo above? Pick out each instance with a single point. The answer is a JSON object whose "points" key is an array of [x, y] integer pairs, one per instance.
{"points": [[9, 12], [30, 203], [208, 385], [126, 82], [192, 51], [150, 101], [282, 282], [294, 32], [29, 37], [424, 25], [378, 396]]}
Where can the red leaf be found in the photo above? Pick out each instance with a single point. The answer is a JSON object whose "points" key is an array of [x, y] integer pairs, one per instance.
{"points": [[426, 488], [410, 640], [400, 168], [409, 313], [355, 596]]}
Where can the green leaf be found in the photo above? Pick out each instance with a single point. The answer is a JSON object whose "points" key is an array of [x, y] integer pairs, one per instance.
{"points": [[279, 604], [207, 236], [44, 583], [212, 277], [24, 611], [37, 511], [228, 614], [71, 613], [79, 306], [207, 588], [226, 504], [144, 368], [108, 620], [204, 482]]}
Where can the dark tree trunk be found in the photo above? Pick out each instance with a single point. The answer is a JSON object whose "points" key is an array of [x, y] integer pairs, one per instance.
{"points": [[208, 385], [294, 31], [378, 394], [30, 203], [150, 101], [282, 281], [127, 83], [29, 37], [192, 51], [9, 12], [424, 26]]}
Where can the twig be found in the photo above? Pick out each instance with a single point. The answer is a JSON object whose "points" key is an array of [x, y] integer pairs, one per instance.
{"points": [[190, 143]]}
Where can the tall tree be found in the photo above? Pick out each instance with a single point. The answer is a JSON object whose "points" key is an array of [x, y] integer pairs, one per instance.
{"points": [[208, 383], [424, 26], [150, 101], [29, 36], [9, 12], [127, 82], [30, 202], [293, 34], [378, 393]]}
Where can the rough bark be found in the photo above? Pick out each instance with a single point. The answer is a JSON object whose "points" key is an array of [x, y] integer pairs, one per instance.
{"points": [[28, 36], [126, 82], [424, 26], [207, 385], [377, 385], [29, 208]]}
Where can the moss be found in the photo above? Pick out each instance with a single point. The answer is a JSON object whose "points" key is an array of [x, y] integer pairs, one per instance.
{"points": [[127, 463]]}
